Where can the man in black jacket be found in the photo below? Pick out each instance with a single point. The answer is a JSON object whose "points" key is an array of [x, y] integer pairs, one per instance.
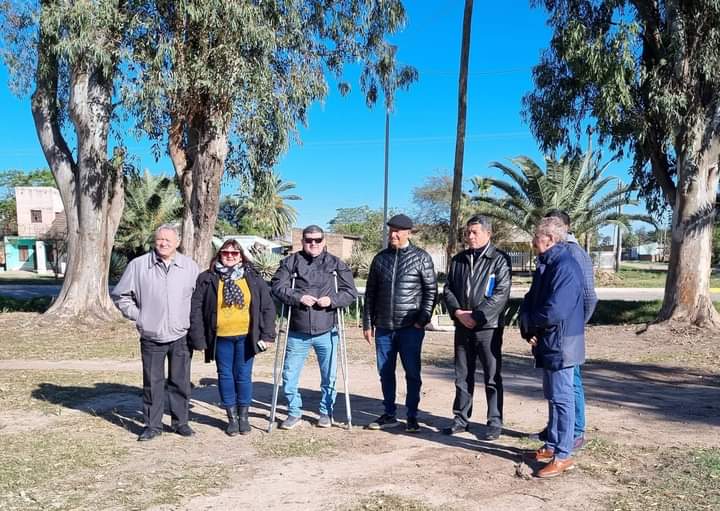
{"points": [[476, 294], [399, 299], [314, 303]]}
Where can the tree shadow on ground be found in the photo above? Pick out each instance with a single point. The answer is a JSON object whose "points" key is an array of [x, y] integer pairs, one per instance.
{"points": [[117, 403], [365, 409], [672, 393]]}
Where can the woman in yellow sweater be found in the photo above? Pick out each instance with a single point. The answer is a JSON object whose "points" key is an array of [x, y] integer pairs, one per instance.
{"points": [[232, 318]]}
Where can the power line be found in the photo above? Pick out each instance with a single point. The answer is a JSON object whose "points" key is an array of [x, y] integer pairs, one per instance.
{"points": [[410, 140], [489, 72]]}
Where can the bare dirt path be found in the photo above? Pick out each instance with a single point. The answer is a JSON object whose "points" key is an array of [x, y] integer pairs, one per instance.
{"points": [[645, 394]]}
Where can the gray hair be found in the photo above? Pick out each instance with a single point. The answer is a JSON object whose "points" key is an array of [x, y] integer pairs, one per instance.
{"points": [[553, 228], [480, 220], [168, 227]]}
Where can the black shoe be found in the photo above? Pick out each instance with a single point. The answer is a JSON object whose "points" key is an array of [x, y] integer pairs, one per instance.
{"points": [[184, 430], [411, 425], [492, 433], [233, 427], [455, 428], [149, 434], [243, 420], [383, 422]]}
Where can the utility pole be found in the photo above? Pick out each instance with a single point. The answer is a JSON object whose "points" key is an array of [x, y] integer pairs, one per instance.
{"points": [[460, 135], [387, 176], [618, 238]]}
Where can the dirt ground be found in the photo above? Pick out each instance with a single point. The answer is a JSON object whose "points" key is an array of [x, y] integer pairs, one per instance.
{"points": [[68, 427]]}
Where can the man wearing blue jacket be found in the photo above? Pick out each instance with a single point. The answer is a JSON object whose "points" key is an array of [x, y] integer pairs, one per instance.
{"points": [[589, 302], [552, 320]]}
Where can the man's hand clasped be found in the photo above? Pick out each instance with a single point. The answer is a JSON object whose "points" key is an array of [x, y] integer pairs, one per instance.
{"points": [[310, 301], [465, 318]]}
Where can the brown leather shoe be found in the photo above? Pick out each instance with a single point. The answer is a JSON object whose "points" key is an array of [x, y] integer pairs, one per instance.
{"points": [[542, 454], [555, 468]]}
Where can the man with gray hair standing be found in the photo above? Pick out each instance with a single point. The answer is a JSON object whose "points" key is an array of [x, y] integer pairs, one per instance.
{"points": [[552, 320], [155, 292], [476, 294]]}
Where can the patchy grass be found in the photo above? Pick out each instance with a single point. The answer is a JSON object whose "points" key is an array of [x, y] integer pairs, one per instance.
{"points": [[380, 501], [646, 277], [679, 480], [47, 471], [87, 464], [165, 485], [52, 391], [292, 444], [657, 477], [30, 336]]}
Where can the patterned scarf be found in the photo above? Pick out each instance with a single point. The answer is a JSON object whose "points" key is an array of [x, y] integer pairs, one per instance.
{"points": [[232, 294]]}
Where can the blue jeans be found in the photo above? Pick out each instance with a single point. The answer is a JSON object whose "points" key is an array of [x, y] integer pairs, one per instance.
{"points": [[298, 347], [579, 403], [408, 343], [234, 371], [558, 390]]}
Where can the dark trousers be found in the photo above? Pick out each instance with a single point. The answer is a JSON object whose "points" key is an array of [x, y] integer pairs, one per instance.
{"points": [[178, 382], [470, 346]]}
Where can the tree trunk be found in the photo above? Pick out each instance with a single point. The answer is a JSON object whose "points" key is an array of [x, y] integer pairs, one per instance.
{"points": [[199, 169], [91, 188], [460, 137], [687, 289]]}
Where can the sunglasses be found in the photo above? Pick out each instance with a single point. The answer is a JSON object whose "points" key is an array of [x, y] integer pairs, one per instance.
{"points": [[310, 241], [230, 253]]}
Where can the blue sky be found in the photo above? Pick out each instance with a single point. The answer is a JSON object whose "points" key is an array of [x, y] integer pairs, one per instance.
{"points": [[340, 162]]}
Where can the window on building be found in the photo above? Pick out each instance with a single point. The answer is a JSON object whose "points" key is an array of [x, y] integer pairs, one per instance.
{"points": [[24, 253], [36, 216]]}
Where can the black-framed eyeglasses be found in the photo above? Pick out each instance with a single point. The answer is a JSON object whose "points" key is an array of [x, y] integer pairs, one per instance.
{"points": [[310, 241]]}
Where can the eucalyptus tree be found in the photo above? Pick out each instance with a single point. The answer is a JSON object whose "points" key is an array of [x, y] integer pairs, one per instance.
{"points": [[575, 184], [224, 84], [69, 55], [150, 201], [648, 73]]}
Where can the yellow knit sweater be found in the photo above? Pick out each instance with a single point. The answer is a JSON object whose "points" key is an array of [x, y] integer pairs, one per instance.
{"points": [[233, 320]]}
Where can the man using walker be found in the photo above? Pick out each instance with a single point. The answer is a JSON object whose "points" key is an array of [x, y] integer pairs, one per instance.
{"points": [[315, 285]]}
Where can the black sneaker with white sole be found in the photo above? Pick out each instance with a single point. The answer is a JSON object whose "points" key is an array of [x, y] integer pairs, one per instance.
{"points": [[383, 422]]}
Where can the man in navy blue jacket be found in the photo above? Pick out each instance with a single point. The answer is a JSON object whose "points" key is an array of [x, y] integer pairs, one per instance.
{"points": [[552, 320], [589, 303]]}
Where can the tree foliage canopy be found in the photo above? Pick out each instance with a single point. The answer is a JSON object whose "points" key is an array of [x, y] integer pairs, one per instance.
{"points": [[361, 221], [252, 68], [574, 184], [646, 72], [263, 210], [150, 201]]}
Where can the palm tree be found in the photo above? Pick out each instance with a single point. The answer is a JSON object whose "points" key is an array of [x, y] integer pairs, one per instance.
{"points": [[575, 184], [150, 201], [265, 210]]}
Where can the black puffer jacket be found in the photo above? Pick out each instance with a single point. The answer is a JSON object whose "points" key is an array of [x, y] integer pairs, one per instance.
{"points": [[468, 290], [203, 314], [314, 276], [401, 289]]}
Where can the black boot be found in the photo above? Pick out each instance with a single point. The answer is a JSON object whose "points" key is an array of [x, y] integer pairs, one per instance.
{"points": [[244, 423], [233, 426]]}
